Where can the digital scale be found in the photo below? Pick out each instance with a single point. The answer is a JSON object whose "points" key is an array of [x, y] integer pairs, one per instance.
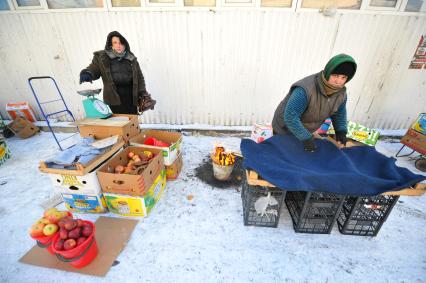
{"points": [[94, 107]]}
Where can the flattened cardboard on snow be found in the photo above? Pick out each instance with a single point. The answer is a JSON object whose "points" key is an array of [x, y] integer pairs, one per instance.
{"points": [[85, 203], [112, 235], [103, 128], [173, 171], [125, 205], [174, 139], [23, 128], [134, 185]]}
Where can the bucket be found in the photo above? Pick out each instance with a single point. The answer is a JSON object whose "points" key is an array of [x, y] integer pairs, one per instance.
{"points": [[222, 172], [46, 242], [81, 255]]}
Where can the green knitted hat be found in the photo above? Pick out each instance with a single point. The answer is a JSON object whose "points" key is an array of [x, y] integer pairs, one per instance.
{"points": [[348, 63]]}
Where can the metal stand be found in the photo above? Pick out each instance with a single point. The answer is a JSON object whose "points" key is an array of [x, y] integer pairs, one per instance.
{"points": [[396, 155], [47, 115]]}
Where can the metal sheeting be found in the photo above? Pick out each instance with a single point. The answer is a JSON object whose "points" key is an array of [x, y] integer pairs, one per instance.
{"points": [[224, 67]]}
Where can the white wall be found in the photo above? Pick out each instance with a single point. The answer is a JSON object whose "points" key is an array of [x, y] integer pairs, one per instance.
{"points": [[223, 67]]}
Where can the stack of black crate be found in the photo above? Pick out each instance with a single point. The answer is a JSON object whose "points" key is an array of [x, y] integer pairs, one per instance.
{"points": [[364, 216], [250, 194], [313, 212]]}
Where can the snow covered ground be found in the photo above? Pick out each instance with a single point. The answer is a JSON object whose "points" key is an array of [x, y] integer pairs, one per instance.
{"points": [[204, 240]]}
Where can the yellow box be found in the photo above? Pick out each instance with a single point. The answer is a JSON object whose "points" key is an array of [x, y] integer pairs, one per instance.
{"points": [[126, 205]]}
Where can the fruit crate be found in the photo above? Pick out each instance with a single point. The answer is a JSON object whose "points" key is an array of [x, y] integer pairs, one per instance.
{"points": [[254, 192], [364, 216], [313, 212]]}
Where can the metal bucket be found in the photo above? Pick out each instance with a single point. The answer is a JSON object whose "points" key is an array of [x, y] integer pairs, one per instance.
{"points": [[221, 172]]}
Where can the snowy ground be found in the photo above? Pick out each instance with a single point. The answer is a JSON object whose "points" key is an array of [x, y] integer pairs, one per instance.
{"points": [[204, 240]]}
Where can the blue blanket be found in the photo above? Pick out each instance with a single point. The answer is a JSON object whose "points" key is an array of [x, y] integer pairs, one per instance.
{"points": [[358, 171]]}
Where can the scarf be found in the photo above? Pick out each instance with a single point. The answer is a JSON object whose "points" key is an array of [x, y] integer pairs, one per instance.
{"points": [[328, 88]]}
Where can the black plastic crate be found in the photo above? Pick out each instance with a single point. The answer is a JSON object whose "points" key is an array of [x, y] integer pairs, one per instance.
{"points": [[250, 195], [364, 216], [313, 212]]}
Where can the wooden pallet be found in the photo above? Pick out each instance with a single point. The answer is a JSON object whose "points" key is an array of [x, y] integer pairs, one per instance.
{"points": [[418, 190], [254, 179]]}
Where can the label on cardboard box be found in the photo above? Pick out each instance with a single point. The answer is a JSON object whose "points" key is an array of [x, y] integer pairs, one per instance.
{"points": [[260, 133], [85, 203], [126, 205], [71, 184], [360, 133]]}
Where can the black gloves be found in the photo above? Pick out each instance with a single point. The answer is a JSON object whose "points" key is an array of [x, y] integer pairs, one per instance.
{"points": [[85, 77], [341, 137], [309, 145]]}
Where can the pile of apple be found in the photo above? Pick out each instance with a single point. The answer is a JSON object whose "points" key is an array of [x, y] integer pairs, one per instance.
{"points": [[72, 233], [135, 163], [48, 224]]}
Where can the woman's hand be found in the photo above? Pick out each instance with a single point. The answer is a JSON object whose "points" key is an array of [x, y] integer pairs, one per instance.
{"points": [[85, 77]]}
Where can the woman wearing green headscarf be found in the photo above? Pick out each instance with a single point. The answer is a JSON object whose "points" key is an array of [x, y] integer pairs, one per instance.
{"points": [[313, 99]]}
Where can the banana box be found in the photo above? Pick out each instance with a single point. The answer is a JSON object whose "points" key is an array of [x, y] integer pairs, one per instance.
{"points": [[4, 152], [85, 203], [169, 142], [135, 206], [80, 185], [172, 171], [360, 133]]}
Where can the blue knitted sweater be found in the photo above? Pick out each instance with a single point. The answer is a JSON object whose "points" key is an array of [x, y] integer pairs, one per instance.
{"points": [[295, 108]]}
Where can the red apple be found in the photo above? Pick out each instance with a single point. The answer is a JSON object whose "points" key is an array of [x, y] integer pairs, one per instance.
{"points": [[69, 244], [74, 233], [70, 224], [37, 230], [50, 229], [130, 154], [80, 222], [59, 245], [63, 233], [81, 240], [87, 230]]}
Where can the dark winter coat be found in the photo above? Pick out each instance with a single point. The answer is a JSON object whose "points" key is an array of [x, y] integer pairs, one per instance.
{"points": [[115, 74], [319, 105]]}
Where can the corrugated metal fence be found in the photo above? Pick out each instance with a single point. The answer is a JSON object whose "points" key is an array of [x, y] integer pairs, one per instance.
{"points": [[224, 67]]}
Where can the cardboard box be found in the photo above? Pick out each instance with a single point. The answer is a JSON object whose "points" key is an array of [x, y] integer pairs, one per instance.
{"points": [[71, 184], [174, 139], [360, 133], [4, 152], [134, 185], [123, 125], [173, 171], [83, 169], [21, 109], [85, 203], [260, 133], [415, 140], [23, 128], [126, 205], [112, 235]]}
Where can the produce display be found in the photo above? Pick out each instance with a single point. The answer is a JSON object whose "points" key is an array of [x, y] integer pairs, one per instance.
{"points": [[72, 233], [136, 163], [48, 224]]}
